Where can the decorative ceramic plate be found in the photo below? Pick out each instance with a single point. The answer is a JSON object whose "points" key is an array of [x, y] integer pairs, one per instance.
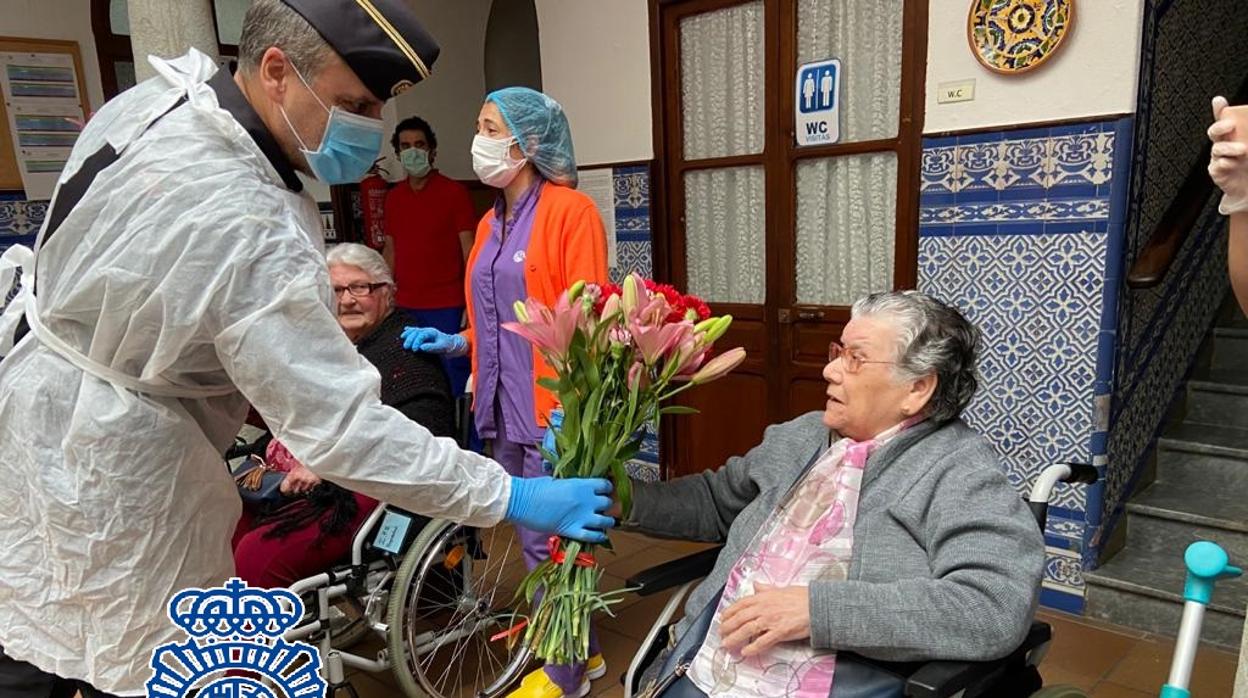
{"points": [[1014, 36]]}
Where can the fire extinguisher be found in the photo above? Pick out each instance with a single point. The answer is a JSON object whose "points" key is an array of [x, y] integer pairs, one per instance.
{"points": [[373, 190]]}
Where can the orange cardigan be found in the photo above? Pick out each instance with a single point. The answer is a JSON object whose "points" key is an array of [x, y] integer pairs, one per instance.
{"points": [[567, 244]]}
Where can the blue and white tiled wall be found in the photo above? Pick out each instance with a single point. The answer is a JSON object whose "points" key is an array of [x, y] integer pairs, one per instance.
{"points": [[634, 254], [1016, 229], [632, 222], [20, 220]]}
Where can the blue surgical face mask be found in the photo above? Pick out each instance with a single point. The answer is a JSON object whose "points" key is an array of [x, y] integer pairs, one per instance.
{"points": [[349, 147]]}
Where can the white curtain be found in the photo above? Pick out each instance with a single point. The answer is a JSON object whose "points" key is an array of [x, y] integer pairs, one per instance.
{"points": [[724, 234], [846, 206], [846, 227], [721, 64], [866, 36], [721, 76]]}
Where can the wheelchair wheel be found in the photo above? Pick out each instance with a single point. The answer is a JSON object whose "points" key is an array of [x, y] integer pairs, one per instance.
{"points": [[453, 592]]}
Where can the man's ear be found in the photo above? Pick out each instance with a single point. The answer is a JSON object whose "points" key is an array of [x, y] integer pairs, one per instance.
{"points": [[273, 71]]}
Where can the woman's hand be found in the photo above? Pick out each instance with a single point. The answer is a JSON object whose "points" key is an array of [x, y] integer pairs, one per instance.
{"points": [[1228, 164], [770, 615], [299, 480]]}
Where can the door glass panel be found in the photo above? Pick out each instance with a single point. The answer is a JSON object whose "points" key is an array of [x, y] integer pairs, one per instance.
{"points": [[230, 20], [725, 234], [119, 17], [124, 70], [721, 74], [846, 227], [866, 37]]}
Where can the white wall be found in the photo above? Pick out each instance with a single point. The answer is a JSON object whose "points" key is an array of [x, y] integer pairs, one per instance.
{"points": [[450, 99], [596, 63], [68, 20], [1093, 73]]}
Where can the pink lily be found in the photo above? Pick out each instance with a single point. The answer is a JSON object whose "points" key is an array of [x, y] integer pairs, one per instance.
{"points": [[610, 307], [658, 341], [689, 357], [550, 331], [638, 377], [719, 366]]}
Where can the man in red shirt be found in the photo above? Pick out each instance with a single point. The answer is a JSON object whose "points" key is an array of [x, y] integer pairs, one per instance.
{"points": [[429, 223]]}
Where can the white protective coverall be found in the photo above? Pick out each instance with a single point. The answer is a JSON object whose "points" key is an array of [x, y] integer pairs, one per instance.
{"points": [[187, 282]]}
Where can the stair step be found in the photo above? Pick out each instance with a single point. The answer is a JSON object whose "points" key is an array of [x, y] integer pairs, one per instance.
{"points": [[1205, 439], [1156, 525], [1219, 397], [1143, 588], [1211, 472], [1195, 503], [1230, 348]]}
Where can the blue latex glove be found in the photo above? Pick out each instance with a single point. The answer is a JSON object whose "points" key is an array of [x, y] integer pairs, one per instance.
{"points": [[572, 508], [555, 423], [433, 341]]}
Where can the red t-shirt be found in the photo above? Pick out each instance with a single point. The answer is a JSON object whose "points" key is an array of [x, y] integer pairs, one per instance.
{"points": [[425, 227]]}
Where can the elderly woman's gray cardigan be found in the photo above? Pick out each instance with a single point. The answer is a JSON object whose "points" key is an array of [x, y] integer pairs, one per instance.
{"points": [[946, 560]]}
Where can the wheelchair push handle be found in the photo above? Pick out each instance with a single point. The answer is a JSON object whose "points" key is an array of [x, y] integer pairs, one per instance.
{"points": [[1206, 563], [1042, 488]]}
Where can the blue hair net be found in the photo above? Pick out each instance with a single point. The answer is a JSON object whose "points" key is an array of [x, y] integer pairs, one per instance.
{"points": [[540, 128]]}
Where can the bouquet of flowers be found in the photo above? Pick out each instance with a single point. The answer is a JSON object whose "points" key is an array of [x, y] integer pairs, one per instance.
{"points": [[619, 355]]}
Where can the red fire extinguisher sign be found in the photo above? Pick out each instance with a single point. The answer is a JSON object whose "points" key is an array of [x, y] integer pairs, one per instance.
{"points": [[373, 190]]}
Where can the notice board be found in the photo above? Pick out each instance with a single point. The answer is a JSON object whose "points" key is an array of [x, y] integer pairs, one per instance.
{"points": [[43, 108]]}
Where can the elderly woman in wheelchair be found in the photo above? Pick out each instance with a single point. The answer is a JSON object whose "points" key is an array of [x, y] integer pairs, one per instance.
{"points": [[434, 592], [881, 527]]}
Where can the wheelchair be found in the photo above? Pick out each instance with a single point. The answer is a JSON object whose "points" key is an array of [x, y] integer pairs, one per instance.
{"points": [[435, 594], [1012, 676]]}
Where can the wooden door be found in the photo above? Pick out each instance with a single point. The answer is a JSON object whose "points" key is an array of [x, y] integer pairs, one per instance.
{"points": [[782, 237], [718, 126]]}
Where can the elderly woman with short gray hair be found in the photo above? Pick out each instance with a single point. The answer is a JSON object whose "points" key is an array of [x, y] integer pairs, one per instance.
{"points": [[882, 525]]}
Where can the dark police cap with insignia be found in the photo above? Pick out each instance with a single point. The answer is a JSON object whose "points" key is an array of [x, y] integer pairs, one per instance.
{"points": [[381, 40]]}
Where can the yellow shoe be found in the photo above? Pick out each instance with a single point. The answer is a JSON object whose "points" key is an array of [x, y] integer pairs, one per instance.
{"points": [[596, 667], [537, 684]]}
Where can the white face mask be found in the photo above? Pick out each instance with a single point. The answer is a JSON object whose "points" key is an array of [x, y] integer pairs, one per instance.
{"points": [[492, 161]]}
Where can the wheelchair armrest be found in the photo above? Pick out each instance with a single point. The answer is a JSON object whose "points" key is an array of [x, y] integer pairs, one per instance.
{"points": [[943, 678], [673, 573]]}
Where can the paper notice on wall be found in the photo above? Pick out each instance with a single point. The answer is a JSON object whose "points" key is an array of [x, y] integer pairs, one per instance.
{"points": [[44, 111], [599, 184]]}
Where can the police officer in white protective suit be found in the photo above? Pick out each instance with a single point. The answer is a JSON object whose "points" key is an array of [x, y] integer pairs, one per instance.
{"points": [[180, 276]]}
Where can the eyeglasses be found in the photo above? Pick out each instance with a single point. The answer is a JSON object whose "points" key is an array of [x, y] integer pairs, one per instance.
{"points": [[359, 290], [851, 362]]}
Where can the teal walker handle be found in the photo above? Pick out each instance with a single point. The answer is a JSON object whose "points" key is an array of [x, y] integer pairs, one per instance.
{"points": [[1206, 563]]}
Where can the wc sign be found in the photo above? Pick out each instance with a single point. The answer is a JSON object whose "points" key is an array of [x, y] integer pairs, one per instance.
{"points": [[818, 112]]}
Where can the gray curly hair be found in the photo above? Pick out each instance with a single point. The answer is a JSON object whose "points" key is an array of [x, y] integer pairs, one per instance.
{"points": [[932, 338]]}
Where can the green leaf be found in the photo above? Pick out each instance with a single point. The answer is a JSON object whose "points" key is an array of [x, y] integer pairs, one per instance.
{"points": [[678, 409], [551, 384], [588, 367], [624, 493]]}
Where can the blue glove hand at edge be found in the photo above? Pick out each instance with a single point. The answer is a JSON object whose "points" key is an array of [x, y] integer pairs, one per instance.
{"points": [[433, 341], [572, 508]]}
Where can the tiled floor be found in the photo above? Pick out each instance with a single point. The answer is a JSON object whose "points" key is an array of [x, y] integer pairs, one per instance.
{"points": [[1105, 661]]}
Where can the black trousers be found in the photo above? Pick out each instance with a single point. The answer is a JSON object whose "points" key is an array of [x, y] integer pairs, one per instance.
{"points": [[24, 680]]}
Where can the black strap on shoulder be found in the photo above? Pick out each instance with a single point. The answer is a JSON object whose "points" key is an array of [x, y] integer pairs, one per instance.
{"points": [[72, 191]]}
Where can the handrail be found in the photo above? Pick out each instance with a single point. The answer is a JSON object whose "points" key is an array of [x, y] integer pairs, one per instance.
{"points": [[1158, 254], [1163, 245]]}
